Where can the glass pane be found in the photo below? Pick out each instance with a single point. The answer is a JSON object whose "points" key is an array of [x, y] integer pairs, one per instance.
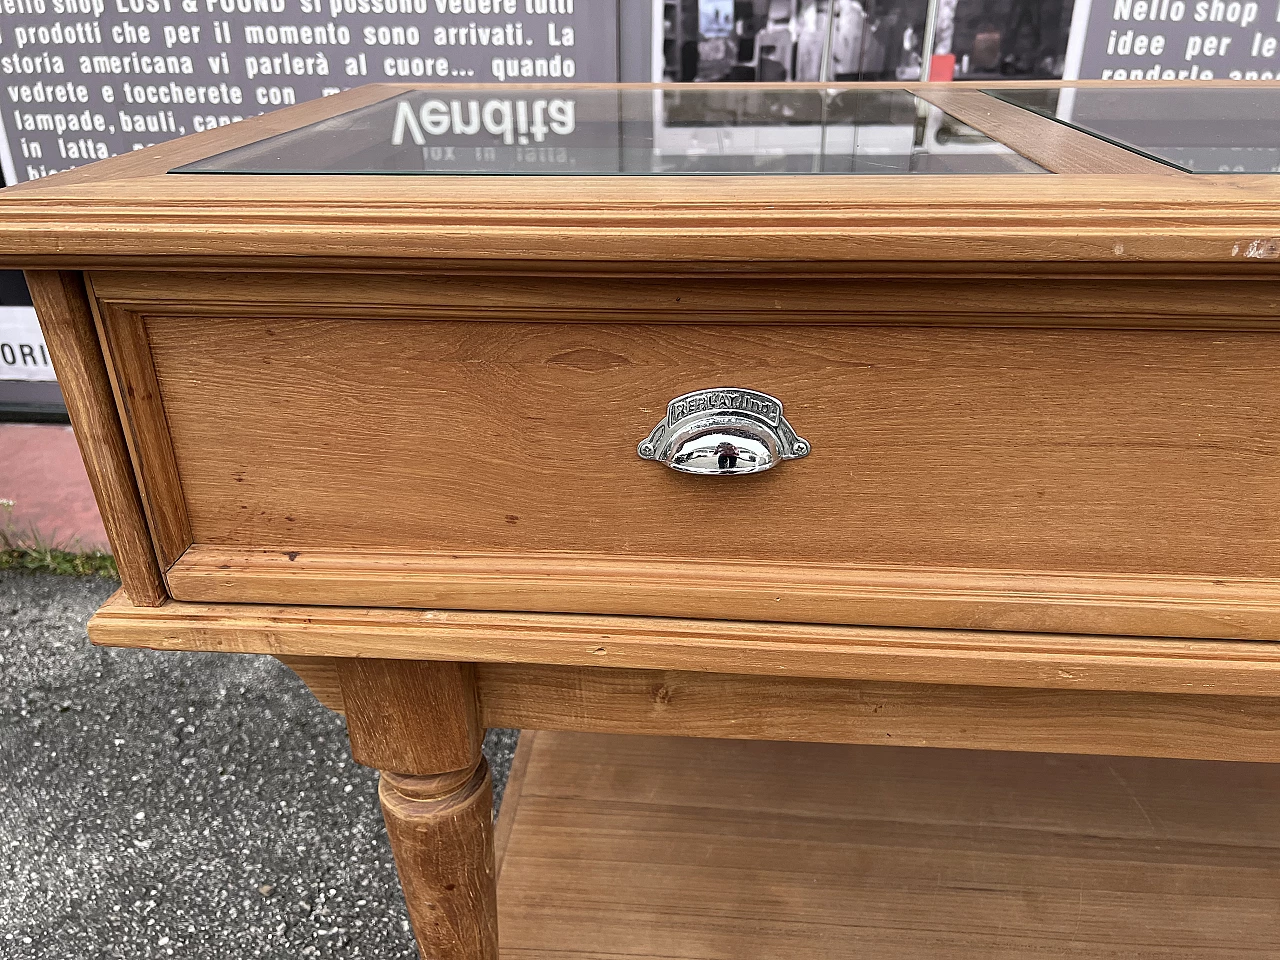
{"points": [[654, 131], [1197, 129]]}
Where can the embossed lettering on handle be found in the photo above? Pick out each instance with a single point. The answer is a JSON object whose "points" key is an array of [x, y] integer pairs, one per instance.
{"points": [[724, 431]]}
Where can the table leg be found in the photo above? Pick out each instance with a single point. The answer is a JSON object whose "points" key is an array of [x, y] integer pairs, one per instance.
{"points": [[417, 723], [441, 831]]}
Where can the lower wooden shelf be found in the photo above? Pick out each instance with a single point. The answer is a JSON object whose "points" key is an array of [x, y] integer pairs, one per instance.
{"points": [[617, 847]]}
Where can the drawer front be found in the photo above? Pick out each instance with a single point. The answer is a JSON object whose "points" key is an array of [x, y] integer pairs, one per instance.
{"points": [[1026, 478]]}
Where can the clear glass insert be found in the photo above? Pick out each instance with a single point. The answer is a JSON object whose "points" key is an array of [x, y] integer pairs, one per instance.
{"points": [[1196, 129], [634, 130]]}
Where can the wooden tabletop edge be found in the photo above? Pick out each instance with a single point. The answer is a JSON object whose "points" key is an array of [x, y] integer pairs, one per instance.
{"points": [[885, 654]]}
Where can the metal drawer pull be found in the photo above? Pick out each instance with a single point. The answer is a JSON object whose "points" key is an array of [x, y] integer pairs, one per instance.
{"points": [[724, 431]]}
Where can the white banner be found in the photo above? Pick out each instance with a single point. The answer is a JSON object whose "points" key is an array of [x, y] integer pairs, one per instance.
{"points": [[23, 355], [88, 79]]}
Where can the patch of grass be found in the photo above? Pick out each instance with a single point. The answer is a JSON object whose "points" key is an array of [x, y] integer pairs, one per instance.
{"points": [[52, 560], [19, 551]]}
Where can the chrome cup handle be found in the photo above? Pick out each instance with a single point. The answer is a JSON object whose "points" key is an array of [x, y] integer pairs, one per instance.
{"points": [[725, 431]]}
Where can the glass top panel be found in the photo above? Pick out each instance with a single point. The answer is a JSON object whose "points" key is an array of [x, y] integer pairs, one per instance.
{"points": [[1196, 129], [631, 131]]}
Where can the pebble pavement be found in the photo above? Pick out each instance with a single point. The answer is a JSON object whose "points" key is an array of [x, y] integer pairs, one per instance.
{"points": [[179, 805]]}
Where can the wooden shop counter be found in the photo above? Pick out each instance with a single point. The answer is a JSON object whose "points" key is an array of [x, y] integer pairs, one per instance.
{"points": [[871, 416]]}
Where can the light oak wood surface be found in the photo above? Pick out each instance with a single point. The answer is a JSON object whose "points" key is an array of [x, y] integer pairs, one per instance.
{"points": [[987, 658], [1085, 297], [321, 676], [417, 722], [699, 704], [1235, 715], [653, 848], [146, 428], [1095, 451], [441, 832], [964, 454], [411, 717], [67, 321], [956, 451], [887, 595], [1116, 221], [88, 218], [1054, 146]]}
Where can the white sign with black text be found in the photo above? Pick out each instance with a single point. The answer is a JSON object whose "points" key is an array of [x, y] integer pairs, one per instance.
{"points": [[82, 80], [1174, 40], [23, 355]]}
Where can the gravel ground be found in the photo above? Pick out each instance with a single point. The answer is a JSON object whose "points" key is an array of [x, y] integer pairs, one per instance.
{"points": [[187, 805]]}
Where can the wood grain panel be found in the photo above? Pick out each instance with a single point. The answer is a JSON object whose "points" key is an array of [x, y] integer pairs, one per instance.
{"points": [[1054, 146], [320, 674], [990, 658], [654, 848], [67, 321], [443, 845], [956, 599], [412, 717], [686, 704], [1115, 453], [128, 212], [133, 378], [721, 223], [995, 300]]}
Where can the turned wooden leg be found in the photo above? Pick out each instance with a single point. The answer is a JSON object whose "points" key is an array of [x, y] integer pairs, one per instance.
{"points": [[417, 723], [441, 831]]}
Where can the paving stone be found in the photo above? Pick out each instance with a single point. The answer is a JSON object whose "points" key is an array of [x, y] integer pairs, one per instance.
{"points": [[45, 480]]}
